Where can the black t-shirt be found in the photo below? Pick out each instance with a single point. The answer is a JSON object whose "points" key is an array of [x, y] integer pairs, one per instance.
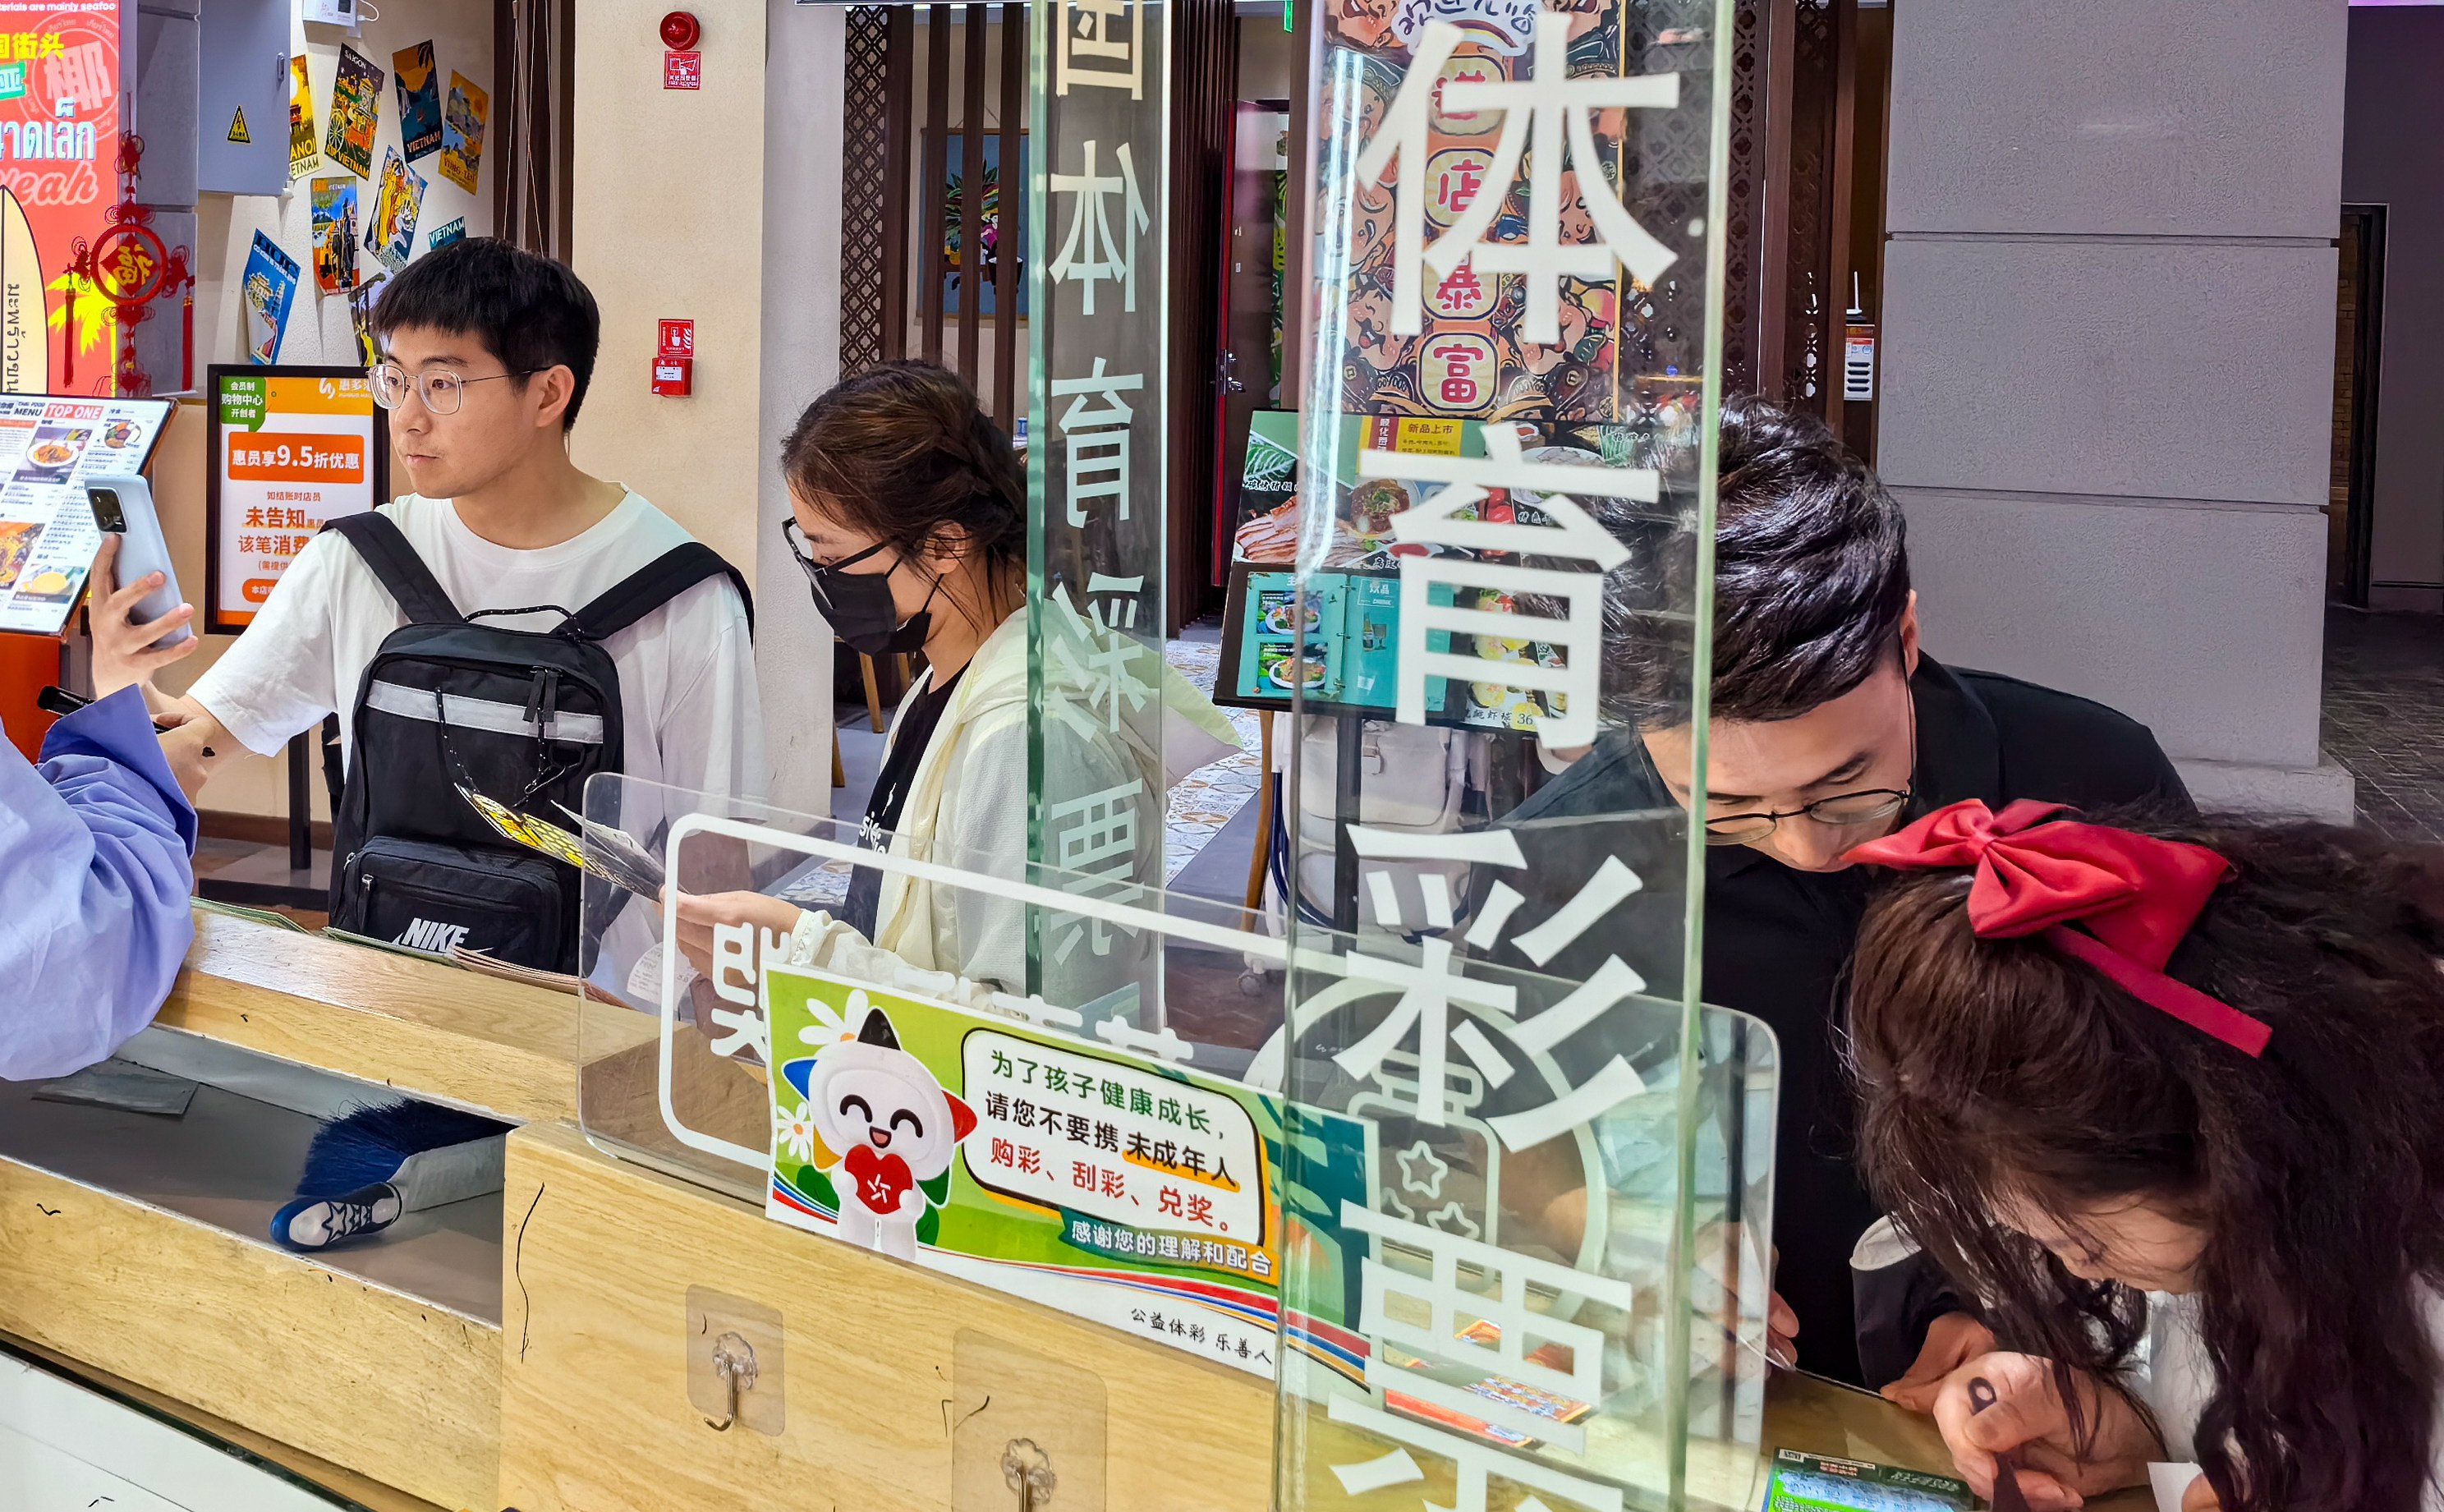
{"points": [[909, 739], [1777, 941]]}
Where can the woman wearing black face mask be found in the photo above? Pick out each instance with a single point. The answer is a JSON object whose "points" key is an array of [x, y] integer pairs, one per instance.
{"points": [[909, 516]]}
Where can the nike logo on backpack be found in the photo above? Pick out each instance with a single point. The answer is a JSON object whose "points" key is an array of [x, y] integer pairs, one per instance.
{"points": [[430, 934]]}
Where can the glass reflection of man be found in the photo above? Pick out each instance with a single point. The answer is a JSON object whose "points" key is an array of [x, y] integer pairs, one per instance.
{"points": [[1830, 726]]}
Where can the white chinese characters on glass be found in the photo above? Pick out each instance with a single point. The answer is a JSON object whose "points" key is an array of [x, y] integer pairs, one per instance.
{"points": [[1569, 718], [1539, 114], [1434, 985], [1094, 249], [1103, 45]]}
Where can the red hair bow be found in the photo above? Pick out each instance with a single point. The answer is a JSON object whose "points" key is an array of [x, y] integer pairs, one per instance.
{"points": [[2133, 898]]}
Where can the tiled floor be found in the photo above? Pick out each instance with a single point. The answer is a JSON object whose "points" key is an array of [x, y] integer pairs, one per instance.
{"points": [[2384, 717]]}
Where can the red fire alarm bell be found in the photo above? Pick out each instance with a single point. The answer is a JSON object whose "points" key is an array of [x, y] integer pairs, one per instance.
{"points": [[682, 66], [674, 357]]}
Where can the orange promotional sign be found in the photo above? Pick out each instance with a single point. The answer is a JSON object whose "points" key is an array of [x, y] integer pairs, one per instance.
{"points": [[296, 457], [292, 449]]}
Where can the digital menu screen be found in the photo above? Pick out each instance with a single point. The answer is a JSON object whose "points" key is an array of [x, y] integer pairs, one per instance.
{"points": [[49, 446]]}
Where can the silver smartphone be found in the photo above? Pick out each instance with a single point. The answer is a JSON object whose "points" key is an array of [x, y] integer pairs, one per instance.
{"points": [[123, 507]]}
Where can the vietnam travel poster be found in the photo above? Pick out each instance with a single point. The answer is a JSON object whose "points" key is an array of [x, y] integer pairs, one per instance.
{"points": [[1113, 1188], [335, 234], [356, 109], [462, 131], [267, 289], [419, 99], [59, 134], [304, 156], [391, 232]]}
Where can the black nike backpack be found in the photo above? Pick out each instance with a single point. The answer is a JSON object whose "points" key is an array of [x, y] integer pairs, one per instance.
{"points": [[521, 717]]}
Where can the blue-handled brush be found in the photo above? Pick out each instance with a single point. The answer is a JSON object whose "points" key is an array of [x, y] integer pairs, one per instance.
{"points": [[372, 1165]]}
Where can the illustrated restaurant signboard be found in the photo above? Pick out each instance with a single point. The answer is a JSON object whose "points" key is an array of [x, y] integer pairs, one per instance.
{"points": [[59, 141]]}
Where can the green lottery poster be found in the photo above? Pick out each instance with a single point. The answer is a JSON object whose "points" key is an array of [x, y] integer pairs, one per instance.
{"points": [[1110, 1188]]}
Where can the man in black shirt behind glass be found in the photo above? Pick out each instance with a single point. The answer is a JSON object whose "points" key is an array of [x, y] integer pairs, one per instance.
{"points": [[1830, 727]]}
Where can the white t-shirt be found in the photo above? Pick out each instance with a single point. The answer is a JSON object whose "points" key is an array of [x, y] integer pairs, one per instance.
{"points": [[687, 670]]}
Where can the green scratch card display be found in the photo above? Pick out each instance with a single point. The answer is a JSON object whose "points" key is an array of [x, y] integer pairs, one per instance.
{"points": [[1113, 1187], [1814, 1483]]}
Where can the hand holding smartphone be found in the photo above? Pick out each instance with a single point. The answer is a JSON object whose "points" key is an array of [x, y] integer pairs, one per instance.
{"points": [[122, 507]]}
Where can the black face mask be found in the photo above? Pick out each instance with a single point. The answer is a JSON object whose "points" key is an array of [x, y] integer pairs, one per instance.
{"points": [[860, 609]]}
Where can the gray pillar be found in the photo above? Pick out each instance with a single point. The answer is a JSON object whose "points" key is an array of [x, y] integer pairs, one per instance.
{"points": [[2108, 369]]}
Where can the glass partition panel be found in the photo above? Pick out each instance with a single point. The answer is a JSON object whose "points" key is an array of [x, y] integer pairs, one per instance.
{"points": [[673, 1054], [1097, 225], [1501, 581]]}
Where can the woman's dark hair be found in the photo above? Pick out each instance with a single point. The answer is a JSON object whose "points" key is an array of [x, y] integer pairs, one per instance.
{"points": [[2002, 1072], [1811, 579], [903, 449], [529, 312]]}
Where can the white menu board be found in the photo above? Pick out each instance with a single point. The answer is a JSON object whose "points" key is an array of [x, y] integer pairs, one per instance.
{"points": [[49, 446]]}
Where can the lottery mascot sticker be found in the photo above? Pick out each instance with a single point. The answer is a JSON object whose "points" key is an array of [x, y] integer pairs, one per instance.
{"points": [[889, 1128]]}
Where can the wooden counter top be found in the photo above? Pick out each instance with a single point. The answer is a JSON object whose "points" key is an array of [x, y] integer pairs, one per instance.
{"points": [[419, 1025]]}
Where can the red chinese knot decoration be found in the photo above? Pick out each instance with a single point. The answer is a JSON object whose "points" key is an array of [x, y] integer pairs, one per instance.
{"points": [[132, 268]]}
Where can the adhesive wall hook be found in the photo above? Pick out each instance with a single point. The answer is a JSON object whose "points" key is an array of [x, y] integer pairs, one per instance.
{"points": [[1028, 1470], [733, 1361]]}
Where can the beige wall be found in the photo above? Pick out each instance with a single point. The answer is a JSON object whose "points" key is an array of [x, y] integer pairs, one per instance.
{"points": [[669, 198]]}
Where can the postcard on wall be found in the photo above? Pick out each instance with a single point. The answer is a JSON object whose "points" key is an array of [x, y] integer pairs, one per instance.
{"points": [[391, 232], [360, 318], [304, 156], [462, 131], [268, 288], [419, 99], [356, 109], [335, 234], [445, 233]]}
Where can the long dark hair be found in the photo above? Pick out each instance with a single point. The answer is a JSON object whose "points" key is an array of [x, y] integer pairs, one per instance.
{"points": [[1998, 1072], [903, 449]]}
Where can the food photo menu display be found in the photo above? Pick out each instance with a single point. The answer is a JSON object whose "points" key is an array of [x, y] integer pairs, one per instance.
{"points": [[50, 448]]}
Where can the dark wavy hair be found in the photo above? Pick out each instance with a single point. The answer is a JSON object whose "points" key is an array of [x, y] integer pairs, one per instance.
{"points": [[2000, 1071], [903, 449], [1811, 578]]}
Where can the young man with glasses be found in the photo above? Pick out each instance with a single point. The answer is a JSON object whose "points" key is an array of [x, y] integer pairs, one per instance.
{"points": [[487, 351], [1830, 727]]}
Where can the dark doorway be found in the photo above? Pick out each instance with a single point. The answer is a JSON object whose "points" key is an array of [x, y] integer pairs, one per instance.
{"points": [[2358, 336]]}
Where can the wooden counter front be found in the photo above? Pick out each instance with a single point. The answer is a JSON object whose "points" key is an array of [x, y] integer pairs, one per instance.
{"points": [[889, 1388], [202, 1309], [421, 1026], [612, 1268]]}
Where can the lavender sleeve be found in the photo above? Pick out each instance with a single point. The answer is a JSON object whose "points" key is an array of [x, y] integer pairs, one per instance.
{"points": [[96, 869]]}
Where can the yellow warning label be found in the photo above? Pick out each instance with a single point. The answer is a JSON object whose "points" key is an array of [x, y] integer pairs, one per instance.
{"points": [[237, 127]]}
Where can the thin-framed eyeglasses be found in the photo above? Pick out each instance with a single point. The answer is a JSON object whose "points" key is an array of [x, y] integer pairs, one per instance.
{"points": [[1868, 805], [442, 391], [1865, 806]]}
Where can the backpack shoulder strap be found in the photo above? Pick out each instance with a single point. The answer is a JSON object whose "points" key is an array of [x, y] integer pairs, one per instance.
{"points": [[653, 585], [384, 548]]}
